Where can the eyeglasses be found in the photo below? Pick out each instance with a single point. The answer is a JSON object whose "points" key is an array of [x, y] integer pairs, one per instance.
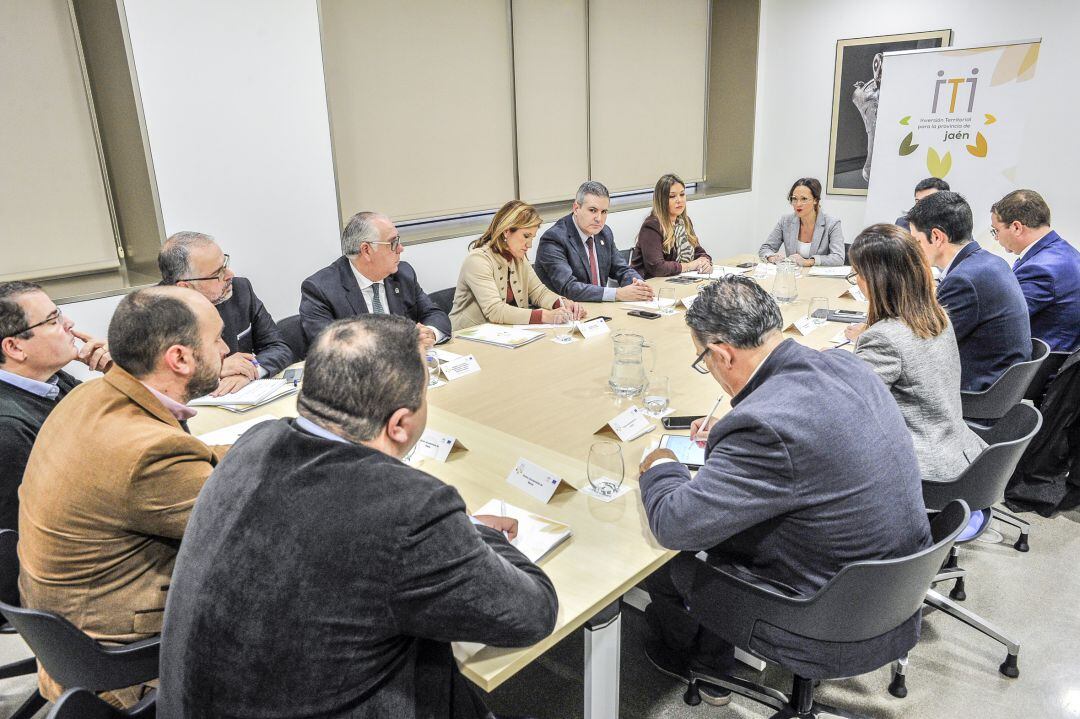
{"points": [[394, 243], [219, 275], [993, 231], [52, 319], [801, 200], [699, 364], [851, 277]]}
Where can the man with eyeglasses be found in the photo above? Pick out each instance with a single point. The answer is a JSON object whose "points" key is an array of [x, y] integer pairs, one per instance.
{"points": [[256, 346], [813, 468], [36, 342], [370, 277]]}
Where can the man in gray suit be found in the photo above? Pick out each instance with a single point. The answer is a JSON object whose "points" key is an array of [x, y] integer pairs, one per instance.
{"points": [[577, 255], [812, 469], [321, 576]]}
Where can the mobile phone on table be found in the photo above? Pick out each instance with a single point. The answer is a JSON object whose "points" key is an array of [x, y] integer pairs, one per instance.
{"points": [[849, 316], [673, 422], [745, 265], [644, 314], [293, 375], [686, 450]]}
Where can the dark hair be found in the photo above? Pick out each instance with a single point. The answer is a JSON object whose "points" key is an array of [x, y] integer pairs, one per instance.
{"points": [[145, 324], [12, 316], [1024, 206], [898, 277], [810, 183], [946, 211], [932, 183], [360, 371], [734, 310]]}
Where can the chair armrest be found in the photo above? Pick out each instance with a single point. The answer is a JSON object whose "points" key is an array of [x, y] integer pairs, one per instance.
{"points": [[127, 664]]}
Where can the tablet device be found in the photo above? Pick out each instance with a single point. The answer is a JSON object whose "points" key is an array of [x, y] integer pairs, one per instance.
{"points": [[688, 452]]}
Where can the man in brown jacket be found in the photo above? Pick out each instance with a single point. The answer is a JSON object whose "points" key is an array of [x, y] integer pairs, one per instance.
{"points": [[114, 474]]}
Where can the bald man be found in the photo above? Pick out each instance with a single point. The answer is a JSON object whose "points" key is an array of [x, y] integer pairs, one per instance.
{"points": [[114, 474]]}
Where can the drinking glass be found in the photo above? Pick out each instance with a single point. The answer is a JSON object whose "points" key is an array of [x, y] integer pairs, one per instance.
{"points": [[564, 326], [605, 467], [432, 362], [665, 301], [657, 394], [818, 312]]}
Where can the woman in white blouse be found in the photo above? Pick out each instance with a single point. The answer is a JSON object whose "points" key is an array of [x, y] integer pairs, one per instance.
{"points": [[807, 235]]}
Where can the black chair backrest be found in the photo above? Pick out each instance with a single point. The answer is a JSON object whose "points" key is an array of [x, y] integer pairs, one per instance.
{"points": [[9, 567], [83, 704], [983, 482], [70, 656], [1047, 369], [293, 332], [626, 254], [444, 299], [1008, 390]]}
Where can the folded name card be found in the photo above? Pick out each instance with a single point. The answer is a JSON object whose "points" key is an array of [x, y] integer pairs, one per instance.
{"points": [[436, 445], [534, 480], [803, 325], [854, 293], [630, 425], [459, 368], [593, 328]]}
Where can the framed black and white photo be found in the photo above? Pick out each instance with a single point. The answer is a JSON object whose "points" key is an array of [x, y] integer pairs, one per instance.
{"points": [[856, 85]]}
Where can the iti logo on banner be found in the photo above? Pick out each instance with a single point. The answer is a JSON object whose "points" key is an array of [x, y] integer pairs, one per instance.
{"points": [[957, 83]]}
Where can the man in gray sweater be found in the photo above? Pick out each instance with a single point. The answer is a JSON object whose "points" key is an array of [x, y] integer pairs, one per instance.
{"points": [[812, 469]]}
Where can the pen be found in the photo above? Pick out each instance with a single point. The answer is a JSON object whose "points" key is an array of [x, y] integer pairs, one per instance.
{"points": [[845, 342], [709, 417]]}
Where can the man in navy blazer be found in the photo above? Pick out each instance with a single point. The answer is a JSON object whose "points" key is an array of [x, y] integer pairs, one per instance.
{"points": [[256, 346], [981, 294], [1048, 268], [812, 469], [370, 277], [577, 255]]}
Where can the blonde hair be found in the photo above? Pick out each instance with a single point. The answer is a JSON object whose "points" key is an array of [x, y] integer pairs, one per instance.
{"points": [[660, 211], [511, 217]]}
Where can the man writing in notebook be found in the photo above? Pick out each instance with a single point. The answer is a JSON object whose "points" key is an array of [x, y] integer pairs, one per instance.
{"points": [[375, 566]]}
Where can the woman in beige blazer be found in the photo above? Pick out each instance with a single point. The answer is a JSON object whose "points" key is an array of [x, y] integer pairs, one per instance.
{"points": [[497, 284]]}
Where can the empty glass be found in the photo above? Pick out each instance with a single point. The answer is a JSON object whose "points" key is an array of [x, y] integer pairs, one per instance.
{"points": [[605, 469], [657, 394], [665, 301], [818, 312]]}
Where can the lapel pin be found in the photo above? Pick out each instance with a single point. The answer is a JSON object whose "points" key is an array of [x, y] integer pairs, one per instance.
{"points": [[397, 291], [601, 242]]}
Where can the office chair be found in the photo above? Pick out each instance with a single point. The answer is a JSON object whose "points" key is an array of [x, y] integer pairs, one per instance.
{"points": [[67, 653], [293, 332], [9, 594], [1047, 370], [864, 601], [83, 704], [626, 254], [444, 299], [984, 407]]}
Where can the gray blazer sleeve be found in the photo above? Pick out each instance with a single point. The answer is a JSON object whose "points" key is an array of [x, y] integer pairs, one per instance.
{"points": [[774, 241], [878, 351], [834, 237]]}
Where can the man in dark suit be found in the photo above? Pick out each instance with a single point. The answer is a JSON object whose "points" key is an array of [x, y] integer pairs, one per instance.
{"points": [[36, 342], [256, 347], [924, 188], [812, 469], [370, 277], [321, 576], [981, 294], [1048, 268], [577, 255]]}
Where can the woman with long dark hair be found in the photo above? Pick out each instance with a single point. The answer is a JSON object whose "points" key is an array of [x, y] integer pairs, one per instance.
{"points": [[667, 244]]}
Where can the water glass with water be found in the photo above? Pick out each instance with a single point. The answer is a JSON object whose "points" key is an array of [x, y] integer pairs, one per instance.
{"points": [[432, 362], [665, 301], [605, 468], [564, 326], [657, 394]]}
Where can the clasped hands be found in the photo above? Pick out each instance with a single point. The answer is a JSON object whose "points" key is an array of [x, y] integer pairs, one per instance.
{"points": [[237, 370], [636, 290], [797, 259]]}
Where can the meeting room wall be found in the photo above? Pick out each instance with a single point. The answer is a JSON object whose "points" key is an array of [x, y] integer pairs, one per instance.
{"points": [[795, 90], [235, 108]]}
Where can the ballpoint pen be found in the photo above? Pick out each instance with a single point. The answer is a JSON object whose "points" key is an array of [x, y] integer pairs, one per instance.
{"points": [[708, 418]]}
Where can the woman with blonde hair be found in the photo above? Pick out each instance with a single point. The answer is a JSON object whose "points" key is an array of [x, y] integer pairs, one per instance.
{"points": [[497, 284], [667, 244], [909, 342]]}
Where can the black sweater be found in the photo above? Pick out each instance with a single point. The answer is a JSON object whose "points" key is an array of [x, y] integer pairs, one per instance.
{"points": [[21, 415]]}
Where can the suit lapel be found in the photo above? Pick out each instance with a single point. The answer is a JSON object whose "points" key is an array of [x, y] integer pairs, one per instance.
{"points": [[579, 247], [393, 295], [139, 394], [352, 290], [819, 233], [1036, 248]]}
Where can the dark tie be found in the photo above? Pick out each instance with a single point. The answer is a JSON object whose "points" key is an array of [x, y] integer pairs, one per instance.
{"points": [[376, 301], [594, 271], [1015, 264]]}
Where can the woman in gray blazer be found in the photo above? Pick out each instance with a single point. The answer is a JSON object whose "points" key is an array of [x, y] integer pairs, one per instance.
{"points": [[909, 342], [807, 235]]}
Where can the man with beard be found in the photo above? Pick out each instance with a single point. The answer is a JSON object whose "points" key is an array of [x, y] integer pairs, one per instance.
{"points": [[256, 346], [114, 474]]}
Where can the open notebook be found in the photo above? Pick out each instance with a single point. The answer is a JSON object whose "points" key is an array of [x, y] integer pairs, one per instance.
{"points": [[536, 535]]}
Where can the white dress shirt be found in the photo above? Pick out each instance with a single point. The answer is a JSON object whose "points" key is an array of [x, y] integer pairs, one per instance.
{"points": [[609, 292]]}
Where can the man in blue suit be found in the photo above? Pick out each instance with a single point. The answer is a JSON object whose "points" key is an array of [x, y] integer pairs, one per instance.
{"points": [[1048, 268], [985, 304], [370, 277], [577, 256]]}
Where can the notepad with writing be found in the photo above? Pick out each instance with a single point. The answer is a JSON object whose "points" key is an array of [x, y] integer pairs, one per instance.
{"points": [[537, 535], [254, 393]]}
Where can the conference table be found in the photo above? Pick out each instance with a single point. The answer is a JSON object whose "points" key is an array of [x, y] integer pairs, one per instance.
{"points": [[548, 403]]}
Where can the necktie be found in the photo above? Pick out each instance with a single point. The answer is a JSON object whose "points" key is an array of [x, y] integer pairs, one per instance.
{"points": [[594, 271], [376, 300]]}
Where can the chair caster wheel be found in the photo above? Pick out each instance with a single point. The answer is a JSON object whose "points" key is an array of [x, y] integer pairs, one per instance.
{"points": [[958, 591], [1009, 668], [1021, 544], [692, 697], [898, 686]]}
